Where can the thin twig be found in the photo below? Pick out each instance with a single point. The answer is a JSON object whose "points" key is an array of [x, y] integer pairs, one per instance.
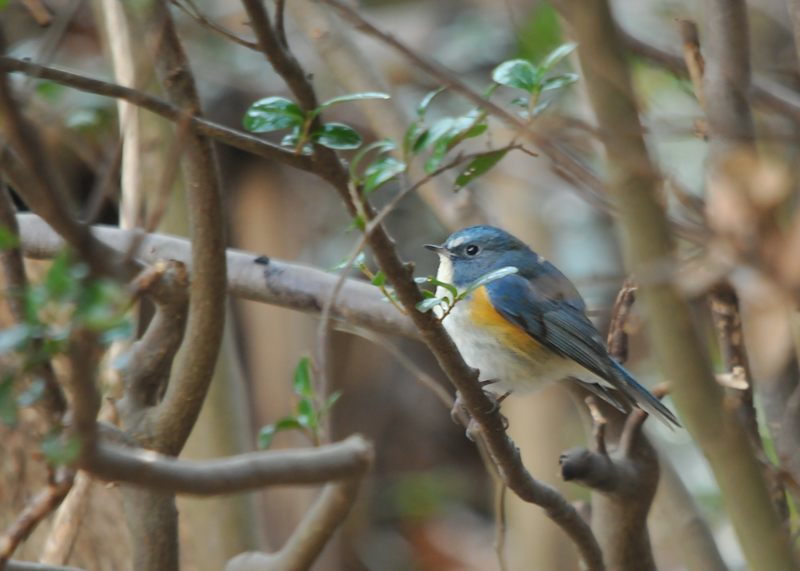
{"points": [[39, 508], [160, 107], [191, 9]]}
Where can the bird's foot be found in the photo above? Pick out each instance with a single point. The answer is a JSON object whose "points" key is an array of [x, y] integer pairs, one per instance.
{"points": [[461, 415]]}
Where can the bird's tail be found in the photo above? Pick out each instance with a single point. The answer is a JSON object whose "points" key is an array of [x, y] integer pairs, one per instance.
{"points": [[643, 398]]}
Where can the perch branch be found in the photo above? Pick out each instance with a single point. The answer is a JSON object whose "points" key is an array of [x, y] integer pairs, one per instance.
{"points": [[503, 450]]}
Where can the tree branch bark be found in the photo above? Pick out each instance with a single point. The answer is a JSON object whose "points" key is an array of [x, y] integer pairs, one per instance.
{"points": [[647, 242], [250, 276]]}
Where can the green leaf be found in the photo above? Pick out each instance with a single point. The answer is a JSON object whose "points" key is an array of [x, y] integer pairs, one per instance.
{"points": [[268, 432], [432, 280], [301, 384], [8, 404], [15, 337], [330, 401], [359, 222], [411, 139], [541, 106], [381, 171], [306, 415], [422, 108], [3, 4], [58, 450], [359, 259], [379, 279], [517, 73], [488, 278], [337, 136], [382, 146], [352, 97], [557, 55], [437, 156], [59, 281], [478, 166], [273, 114], [8, 239], [428, 304], [559, 81]]}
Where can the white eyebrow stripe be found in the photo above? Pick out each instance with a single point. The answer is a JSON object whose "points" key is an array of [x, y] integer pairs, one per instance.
{"points": [[456, 243]]}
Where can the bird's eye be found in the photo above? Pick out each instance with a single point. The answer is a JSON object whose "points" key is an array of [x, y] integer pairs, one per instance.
{"points": [[472, 249]]}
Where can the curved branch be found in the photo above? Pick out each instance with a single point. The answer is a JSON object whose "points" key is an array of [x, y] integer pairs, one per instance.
{"points": [[143, 468], [309, 537], [250, 276]]}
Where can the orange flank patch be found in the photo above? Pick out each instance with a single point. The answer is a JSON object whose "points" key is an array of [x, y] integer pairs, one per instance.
{"points": [[483, 314]]}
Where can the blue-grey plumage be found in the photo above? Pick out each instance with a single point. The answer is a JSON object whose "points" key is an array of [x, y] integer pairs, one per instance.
{"points": [[530, 327]]}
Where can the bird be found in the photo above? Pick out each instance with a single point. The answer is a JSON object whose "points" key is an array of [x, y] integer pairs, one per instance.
{"points": [[529, 326]]}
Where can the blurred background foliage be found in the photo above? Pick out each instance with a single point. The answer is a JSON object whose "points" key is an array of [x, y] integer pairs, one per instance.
{"points": [[428, 505]]}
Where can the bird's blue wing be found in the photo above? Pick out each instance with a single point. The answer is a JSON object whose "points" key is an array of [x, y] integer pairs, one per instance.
{"points": [[552, 320]]}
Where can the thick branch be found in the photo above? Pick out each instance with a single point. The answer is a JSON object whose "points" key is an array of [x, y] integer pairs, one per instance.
{"points": [[648, 242], [175, 416], [482, 410], [276, 282], [240, 473]]}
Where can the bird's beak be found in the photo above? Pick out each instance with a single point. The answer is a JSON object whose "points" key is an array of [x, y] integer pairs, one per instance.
{"points": [[441, 250]]}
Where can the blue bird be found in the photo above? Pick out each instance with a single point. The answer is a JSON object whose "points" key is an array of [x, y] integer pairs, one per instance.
{"points": [[529, 327]]}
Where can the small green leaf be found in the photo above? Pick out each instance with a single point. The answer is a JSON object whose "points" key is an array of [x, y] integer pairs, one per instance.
{"points": [[8, 404], [8, 239], [265, 436], [432, 280], [559, 81], [422, 108], [428, 304], [379, 279], [437, 156], [517, 73], [557, 55], [301, 384], [488, 278], [359, 259], [541, 106], [337, 136], [59, 281], [412, 136], [306, 415], [14, 337], [353, 97], [58, 450], [359, 223], [478, 166], [381, 171], [330, 401], [273, 114], [382, 146]]}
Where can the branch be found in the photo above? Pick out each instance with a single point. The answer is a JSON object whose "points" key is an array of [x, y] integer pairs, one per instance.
{"points": [[482, 410], [173, 418], [309, 537], [251, 471], [174, 113], [764, 92], [627, 479], [67, 522], [34, 179], [37, 509], [647, 242], [151, 357], [15, 565], [727, 76], [276, 282]]}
